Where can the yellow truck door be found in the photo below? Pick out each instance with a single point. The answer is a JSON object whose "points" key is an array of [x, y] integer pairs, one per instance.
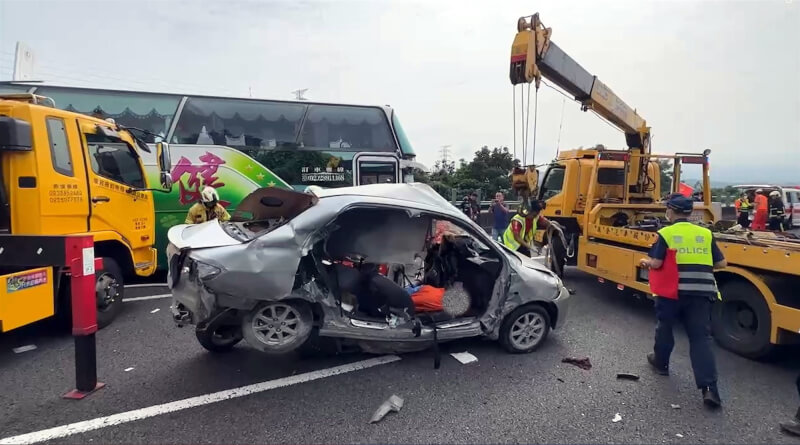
{"points": [[114, 169]]}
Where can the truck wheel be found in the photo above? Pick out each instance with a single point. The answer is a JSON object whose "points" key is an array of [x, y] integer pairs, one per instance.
{"points": [[525, 329], [109, 288], [741, 322]]}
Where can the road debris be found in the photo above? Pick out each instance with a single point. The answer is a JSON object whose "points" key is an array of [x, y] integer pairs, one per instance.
{"points": [[155, 310], [464, 357], [128, 369], [393, 403], [560, 379], [679, 435], [627, 376], [617, 418], [674, 406], [582, 363], [21, 349]]}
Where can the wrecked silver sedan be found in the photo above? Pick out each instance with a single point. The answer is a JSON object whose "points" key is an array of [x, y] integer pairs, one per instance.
{"points": [[384, 267]]}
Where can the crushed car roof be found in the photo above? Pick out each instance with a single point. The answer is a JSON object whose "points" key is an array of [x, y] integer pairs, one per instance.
{"points": [[411, 194]]}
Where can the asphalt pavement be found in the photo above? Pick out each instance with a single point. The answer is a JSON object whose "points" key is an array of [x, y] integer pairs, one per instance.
{"points": [[148, 362]]}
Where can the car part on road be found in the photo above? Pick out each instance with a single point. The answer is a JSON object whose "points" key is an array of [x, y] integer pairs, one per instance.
{"points": [[464, 357], [393, 403], [626, 376], [525, 329], [617, 418], [674, 406], [583, 363], [278, 327], [110, 288]]}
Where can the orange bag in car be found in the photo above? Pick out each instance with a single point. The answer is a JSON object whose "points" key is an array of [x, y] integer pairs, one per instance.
{"points": [[428, 299]]}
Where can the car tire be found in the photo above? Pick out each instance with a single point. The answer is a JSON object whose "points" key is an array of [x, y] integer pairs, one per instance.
{"points": [[741, 321], [220, 339], [278, 327], [109, 291], [525, 329]]}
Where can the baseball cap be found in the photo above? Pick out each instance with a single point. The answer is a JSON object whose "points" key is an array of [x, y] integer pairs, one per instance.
{"points": [[680, 204]]}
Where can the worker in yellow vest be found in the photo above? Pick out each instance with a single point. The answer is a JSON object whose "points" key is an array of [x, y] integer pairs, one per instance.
{"points": [[209, 208], [744, 208], [524, 224], [697, 256]]}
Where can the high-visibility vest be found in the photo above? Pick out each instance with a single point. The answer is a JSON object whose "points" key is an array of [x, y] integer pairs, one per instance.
{"points": [[744, 206], [692, 246], [527, 236]]}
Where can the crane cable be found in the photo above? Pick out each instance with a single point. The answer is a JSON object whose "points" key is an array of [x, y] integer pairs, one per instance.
{"points": [[514, 119], [535, 119]]}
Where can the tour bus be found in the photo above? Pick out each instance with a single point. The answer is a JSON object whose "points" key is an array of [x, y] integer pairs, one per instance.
{"points": [[237, 145]]}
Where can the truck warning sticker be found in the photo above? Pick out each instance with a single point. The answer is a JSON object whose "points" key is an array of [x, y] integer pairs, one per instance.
{"points": [[25, 281]]}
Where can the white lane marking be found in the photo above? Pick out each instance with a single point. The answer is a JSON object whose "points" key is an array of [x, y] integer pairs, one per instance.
{"points": [[135, 286], [178, 405], [149, 297]]}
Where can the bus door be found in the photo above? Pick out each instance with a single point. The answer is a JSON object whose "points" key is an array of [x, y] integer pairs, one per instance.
{"points": [[375, 168]]}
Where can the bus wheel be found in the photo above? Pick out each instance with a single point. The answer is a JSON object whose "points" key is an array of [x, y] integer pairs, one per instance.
{"points": [[741, 322], [109, 287]]}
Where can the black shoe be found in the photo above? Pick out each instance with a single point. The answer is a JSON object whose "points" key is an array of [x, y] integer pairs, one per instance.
{"points": [[659, 369], [791, 427], [711, 397]]}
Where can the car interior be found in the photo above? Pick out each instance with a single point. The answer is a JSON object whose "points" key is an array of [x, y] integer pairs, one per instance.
{"points": [[386, 264]]}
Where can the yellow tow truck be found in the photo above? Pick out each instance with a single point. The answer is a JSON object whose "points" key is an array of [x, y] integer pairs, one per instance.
{"points": [[64, 173], [609, 203]]}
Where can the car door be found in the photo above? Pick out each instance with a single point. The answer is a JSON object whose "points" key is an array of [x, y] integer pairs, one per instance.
{"points": [[114, 172], [793, 208], [375, 168]]}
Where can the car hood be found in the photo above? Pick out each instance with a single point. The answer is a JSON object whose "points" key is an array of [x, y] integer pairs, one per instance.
{"points": [[198, 236]]}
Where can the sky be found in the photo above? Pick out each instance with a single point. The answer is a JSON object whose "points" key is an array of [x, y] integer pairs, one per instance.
{"points": [[718, 75]]}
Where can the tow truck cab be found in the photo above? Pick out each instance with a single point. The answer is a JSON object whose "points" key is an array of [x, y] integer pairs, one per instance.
{"points": [[66, 173]]}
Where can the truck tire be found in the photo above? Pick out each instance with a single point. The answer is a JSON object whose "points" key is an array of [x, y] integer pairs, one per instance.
{"points": [[741, 322], [109, 290]]}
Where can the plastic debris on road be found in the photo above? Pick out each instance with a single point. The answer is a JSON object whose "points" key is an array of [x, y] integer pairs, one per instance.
{"points": [[582, 363], [679, 435], [617, 418], [674, 406], [393, 403], [128, 369], [22, 349], [627, 376], [155, 310], [464, 357]]}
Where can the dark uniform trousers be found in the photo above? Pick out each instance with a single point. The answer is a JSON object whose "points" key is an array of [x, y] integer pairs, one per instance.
{"points": [[694, 312]]}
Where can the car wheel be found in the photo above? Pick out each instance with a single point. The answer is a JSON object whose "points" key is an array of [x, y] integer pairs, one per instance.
{"points": [[278, 327], [219, 339], [109, 287], [741, 322], [525, 329]]}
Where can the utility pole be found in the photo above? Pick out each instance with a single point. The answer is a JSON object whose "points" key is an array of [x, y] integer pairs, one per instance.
{"points": [[445, 153]]}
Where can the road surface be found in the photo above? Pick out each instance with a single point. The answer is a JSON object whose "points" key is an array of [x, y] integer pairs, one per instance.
{"points": [[148, 365]]}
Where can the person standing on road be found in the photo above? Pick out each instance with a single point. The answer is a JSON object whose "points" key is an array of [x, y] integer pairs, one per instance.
{"points": [[499, 213], [793, 426], [470, 206], [743, 210], [762, 209], [777, 211], [518, 236], [697, 255], [209, 208]]}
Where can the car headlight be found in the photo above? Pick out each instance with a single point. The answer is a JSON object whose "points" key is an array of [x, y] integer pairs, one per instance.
{"points": [[206, 271]]}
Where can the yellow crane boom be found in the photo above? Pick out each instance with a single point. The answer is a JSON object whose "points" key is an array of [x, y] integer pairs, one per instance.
{"points": [[534, 55]]}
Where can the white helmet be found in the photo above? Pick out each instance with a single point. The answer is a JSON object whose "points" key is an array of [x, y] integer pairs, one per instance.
{"points": [[209, 195], [774, 194]]}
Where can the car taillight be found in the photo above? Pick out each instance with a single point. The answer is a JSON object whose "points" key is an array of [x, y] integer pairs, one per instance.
{"points": [[383, 269]]}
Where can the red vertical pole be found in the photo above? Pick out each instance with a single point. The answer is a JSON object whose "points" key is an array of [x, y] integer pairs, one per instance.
{"points": [[82, 264]]}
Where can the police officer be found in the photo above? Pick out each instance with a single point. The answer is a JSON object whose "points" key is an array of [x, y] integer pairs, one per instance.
{"points": [[743, 210], [697, 256], [209, 208], [524, 224]]}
